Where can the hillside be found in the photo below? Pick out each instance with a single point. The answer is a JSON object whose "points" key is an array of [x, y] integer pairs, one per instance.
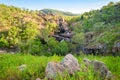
{"points": [[96, 32], [12, 16], [57, 12]]}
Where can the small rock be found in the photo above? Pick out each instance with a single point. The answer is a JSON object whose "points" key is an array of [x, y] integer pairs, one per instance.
{"points": [[38, 79], [22, 67]]}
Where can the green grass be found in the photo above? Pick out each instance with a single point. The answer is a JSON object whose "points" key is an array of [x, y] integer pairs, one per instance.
{"points": [[36, 67]]}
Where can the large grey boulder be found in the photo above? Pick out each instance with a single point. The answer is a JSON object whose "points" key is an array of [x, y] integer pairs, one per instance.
{"points": [[69, 64], [53, 69]]}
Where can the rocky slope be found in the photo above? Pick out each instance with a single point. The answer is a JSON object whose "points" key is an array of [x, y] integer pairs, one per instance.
{"points": [[96, 32]]}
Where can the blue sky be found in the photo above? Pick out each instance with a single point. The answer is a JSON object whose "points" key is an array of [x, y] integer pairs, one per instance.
{"points": [[74, 6]]}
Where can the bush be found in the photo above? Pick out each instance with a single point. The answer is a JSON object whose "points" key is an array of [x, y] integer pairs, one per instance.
{"points": [[36, 48], [60, 48]]}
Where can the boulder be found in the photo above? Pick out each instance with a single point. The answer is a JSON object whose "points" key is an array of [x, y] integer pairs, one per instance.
{"points": [[53, 69], [70, 63], [101, 68]]}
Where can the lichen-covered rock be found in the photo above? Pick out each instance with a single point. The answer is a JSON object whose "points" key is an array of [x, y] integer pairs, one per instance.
{"points": [[70, 63], [101, 68], [53, 69]]}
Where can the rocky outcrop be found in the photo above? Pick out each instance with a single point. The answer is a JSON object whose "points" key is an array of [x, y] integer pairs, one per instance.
{"points": [[63, 32], [69, 64], [95, 49]]}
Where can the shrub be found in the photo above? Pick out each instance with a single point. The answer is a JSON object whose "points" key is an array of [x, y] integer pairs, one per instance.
{"points": [[36, 48], [60, 48]]}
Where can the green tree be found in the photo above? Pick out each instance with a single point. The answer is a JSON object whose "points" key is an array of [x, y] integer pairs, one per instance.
{"points": [[28, 32]]}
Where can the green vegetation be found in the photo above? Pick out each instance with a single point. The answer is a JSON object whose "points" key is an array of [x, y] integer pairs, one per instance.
{"points": [[22, 30], [28, 34], [103, 23], [36, 67]]}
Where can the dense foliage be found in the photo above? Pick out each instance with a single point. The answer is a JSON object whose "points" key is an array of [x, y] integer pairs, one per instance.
{"points": [[103, 23]]}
